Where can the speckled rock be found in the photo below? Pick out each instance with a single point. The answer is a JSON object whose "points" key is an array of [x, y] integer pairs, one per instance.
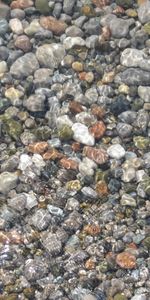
{"points": [[42, 6], [52, 24], [8, 181], [35, 103], [133, 76], [50, 55], [135, 58], [144, 12], [116, 151], [24, 66], [127, 200], [82, 135], [119, 27], [71, 42]]}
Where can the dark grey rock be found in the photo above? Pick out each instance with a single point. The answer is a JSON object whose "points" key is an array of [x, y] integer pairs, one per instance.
{"points": [[35, 269], [133, 76]]}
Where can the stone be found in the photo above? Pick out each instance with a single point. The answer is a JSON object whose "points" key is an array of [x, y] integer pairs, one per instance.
{"points": [[128, 116], [101, 189], [87, 166], [35, 103], [55, 211], [17, 13], [135, 58], [75, 107], [52, 154], [92, 229], [139, 297], [68, 163], [85, 118], [13, 128], [98, 155], [23, 42], [16, 26], [119, 27], [62, 121], [73, 31], [98, 129], [42, 6], [144, 12], [128, 174], [98, 111], [120, 105], [35, 269], [124, 130], [141, 142], [133, 76], [18, 202], [82, 135], [33, 28], [88, 192], [73, 185], [100, 3], [4, 11], [68, 6], [65, 133], [3, 67], [116, 151], [144, 93], [38, 147], [125, 260], [50, 55], [125, 4], [127, 200], [41, 219], [21, 4], [56, 26], [77, 66], [25, 162], [8, 181], [51, 243], [13, 94], [24, 66], [4, 27], [70, 42]]}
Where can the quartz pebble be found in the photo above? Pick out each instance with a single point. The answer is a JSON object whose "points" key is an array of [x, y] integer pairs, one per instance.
{"points": [[116, 151], [82, 135]]}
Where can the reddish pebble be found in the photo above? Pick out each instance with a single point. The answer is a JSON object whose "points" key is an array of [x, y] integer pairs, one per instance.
{"points": [[90, 264], [75, 107], [101, 188], [126, 260], [11, 237], [56, 26], [82, 75], [98, 111], [21, 4], [23, 42], [76, 146], [52, 154], [98, 155], [69, 164], [39, 147], [100, 3], [98, 129], [92, 229]]}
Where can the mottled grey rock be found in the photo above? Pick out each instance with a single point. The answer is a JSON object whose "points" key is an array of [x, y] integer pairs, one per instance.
{"points": [[133, 76], [127, 200], [54, 210], [71, 42], [3, 67], [35, 103], [144, 93], [4, 27], [18, 202], [92, 95], [10, 164], [51, 243], [135, 58], [119, 27], [82, 135], [17, 13], [123, 43], [41, 219], [92, 26], [50, 55], [91, 41], [128, 174], [24, 66], [62, 121], [8, 181], [139, 297], [142, 120], [68, 6], [73, 31], [128, 116], [116, 151], [4, 11], [124, 130], [35, 269], [144, 12], [89, 192]]}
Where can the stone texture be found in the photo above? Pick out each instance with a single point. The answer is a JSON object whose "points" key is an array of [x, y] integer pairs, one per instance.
{"points": [[50, 55], [8, 181], [144, 12], [133, 76], [54, 25], [135, 58], [116, 151], [24, 66], [98, 155], [82, 135]]}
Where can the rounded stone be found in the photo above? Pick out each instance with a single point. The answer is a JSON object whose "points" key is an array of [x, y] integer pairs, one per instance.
{"points": [[116, 151]]}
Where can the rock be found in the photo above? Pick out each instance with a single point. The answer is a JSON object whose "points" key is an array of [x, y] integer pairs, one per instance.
{"points": [[73, 31], [87, 166], [71, 42], [120, 105], [144, 12], [126, 260], [133, 76], [119, 27], [98, 155], [13, 128], [56, 26], [18, 202], [33, 28], [16, 26], [8, 181], [139, 297], [62, 121], [35, 269], [128, 116], [4, 27], [38, 147], [17, 13], [89, 192], [23, 42], [21, 4], [24, 66], [125, 4], [3, 67], [116, 151], [51, 243], [4, 53], [124, 130], [41, 219], [50, 55], [135, 58], [101, 189], [35, 103], [68, 6], [141, 142], [127, 200], [69, 164], [146, 28], [73, 185], [4, 11], [82, 134], [144, 93], [128, 174], [55, 211], [13, 94], [42, 6]]}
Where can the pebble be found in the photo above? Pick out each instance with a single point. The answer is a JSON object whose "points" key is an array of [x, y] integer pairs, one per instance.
{"points": [[126, 260], [23, 42], [135, 58], [35, 103], [127, 200], [133, 76], [82, 135], [3, 67], [24, 66], [54, 25], [98, 155], [8, 181], [116, 151], [70, 42], [4, 27], [144, 12], [50, 55], [16, 26]]}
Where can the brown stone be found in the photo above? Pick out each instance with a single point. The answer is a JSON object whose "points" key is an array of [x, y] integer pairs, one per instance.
{"points": [[12, 237], [38, 147], [56, 26], [22, 4], [100, 3], [52, 154], [106, 34], [101, 188], [108, 77], [98, 129], [76, 146], [23, 42], [98, 111], [75, 107], [82, 75], [126, 260], [98, 155], [69, 164], [92, 229], [90, 264]]}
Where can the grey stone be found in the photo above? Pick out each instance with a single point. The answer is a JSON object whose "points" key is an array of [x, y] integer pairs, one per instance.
{"points": [[123, 43], [4, 11], [124, 130], [4, 53], [133, 76], [35, 103], [50, 55], [18, 202], [144, 93], [4, 27], [35, 269], [10, 164], [89, 192], [73, 31], [92, 95], [128, 174], [135, 58], [127, 200], [144, 12], [139, 297], [24, 66], [41, 219], [51, 243], [57, 10], [54, 210], [142, 120], [128, 116], [17, 13], [91, 41], [70, 42], [92, 27], [8, 181], [68, 6]]}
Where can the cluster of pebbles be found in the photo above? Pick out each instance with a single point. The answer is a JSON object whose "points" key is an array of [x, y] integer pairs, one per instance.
{"points": [[75, 149]]}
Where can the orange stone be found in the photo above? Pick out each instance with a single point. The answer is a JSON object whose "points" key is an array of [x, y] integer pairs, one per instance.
{"points": [[68, 163], [90, 264], [98, 155], [106, 33], [56, 26], [92, 229], [98, 111], [52, 154], [108, 77], [76, 146], [101, 188], [75, 107], [100, 3], [126, 260], [38, 147], [98, 129], [11, 237], [22, 4], [82, 75]]}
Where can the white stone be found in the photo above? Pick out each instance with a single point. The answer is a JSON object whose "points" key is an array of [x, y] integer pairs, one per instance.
{"points": [[82, 134], [16, 26], [87, 166], [3, 67], [25, 162], [70, 42], [63, 120], [128, 174], [33, 28], [135, 58], [8, 181], [139, 297], [30, 200], [144, 93], [116, 151], [38, 161]]}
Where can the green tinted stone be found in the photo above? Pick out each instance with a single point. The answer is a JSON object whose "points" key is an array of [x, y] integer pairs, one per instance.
{"points": [[141, 142], [125, 3], [65, 133], [147, 28], [146, 242], [120, 296], [43, 133], [42, 6], [13, 128]]}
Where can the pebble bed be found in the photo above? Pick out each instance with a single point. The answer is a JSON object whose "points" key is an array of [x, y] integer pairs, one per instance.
{"points": [[74, 150]]}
